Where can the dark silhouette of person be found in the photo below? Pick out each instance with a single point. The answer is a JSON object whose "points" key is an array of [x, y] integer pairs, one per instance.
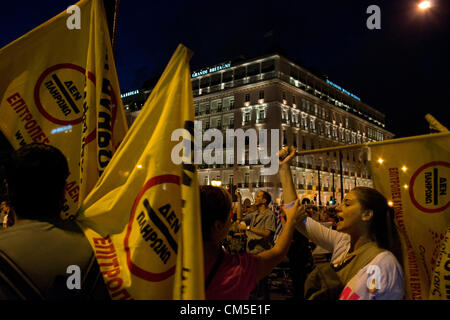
{"points": [[37, 251]]}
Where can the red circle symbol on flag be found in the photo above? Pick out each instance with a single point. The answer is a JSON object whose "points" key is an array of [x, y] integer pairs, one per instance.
{"points": [[62, 87], [151, 238], [428, 188]]}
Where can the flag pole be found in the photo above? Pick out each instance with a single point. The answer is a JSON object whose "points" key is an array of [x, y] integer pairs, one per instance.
{"points": [[112, 16], [372, 144], [341, 177]]}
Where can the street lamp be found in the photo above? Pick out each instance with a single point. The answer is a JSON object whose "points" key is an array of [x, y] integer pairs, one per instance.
{"points": [[424, 5]]}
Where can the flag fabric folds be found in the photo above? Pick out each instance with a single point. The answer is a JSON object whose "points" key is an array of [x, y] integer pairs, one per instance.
{"points": [[143, 216], [59, 86], [413, 173]]}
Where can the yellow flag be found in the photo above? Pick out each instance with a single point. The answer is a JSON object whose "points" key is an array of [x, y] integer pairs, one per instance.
{"points": [[414, 173], [59, 86], [440, 285], [143, 216]]}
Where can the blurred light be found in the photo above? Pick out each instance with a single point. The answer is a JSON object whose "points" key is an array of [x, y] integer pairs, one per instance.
{"points": [[424, 5], [216, 183], [404, 168], [390, 203], [380, 160], [139, 166], [405, 186], [62, 129]]}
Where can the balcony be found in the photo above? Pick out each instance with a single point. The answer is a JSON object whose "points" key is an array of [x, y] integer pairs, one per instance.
{"points": [[229, 85], [261, 120], [253, 79], [228, 126], [214, 88], [268, 75]]}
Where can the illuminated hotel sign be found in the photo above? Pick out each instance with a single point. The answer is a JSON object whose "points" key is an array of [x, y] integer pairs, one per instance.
{"points": [[343, 90], [211, 70], [129, 93]]}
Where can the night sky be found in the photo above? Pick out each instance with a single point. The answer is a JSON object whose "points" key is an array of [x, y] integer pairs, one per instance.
{"points": [[402, 70]]}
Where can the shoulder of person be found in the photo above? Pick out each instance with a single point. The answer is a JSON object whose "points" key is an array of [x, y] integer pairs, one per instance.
{"points": [[268, 212], [386, 269], [387, 263], [244, 260]]}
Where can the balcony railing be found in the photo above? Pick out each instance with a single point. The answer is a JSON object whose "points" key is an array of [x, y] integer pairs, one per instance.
{"points": [[261, 120]]}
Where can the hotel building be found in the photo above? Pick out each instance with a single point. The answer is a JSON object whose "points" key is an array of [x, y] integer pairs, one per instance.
{"points": [[310, 112]]}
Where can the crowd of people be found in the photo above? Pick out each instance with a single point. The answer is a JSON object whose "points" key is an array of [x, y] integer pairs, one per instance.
{"points": [[242, 244]]}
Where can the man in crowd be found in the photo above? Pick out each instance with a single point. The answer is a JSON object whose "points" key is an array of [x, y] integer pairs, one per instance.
{"points": [[260, 227], [36, 253]]}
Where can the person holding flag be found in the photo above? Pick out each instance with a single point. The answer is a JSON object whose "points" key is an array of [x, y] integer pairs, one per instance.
{"points": [[364, 263]]}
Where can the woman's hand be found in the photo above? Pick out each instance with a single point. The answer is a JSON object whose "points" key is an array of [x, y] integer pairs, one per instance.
{"points": [[286, 154], [242, 226], [296, 213]]}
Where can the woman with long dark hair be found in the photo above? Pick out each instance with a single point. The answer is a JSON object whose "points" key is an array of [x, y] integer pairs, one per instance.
{"points": [[234, 276], [365, 247]]}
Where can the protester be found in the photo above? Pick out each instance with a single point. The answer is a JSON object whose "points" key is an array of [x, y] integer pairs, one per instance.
{"points": [[36, 252], [260, 225], [7, 216], [364, 265], [236, 241], [234, 276], [300, 263]]}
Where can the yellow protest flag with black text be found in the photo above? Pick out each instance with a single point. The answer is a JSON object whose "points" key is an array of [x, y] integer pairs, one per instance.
{"points": [[413, 173], [143, 216], [59, 86]]}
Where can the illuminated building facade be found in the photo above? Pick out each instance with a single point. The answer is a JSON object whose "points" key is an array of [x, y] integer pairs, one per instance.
{"points": [[272, 92]]}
